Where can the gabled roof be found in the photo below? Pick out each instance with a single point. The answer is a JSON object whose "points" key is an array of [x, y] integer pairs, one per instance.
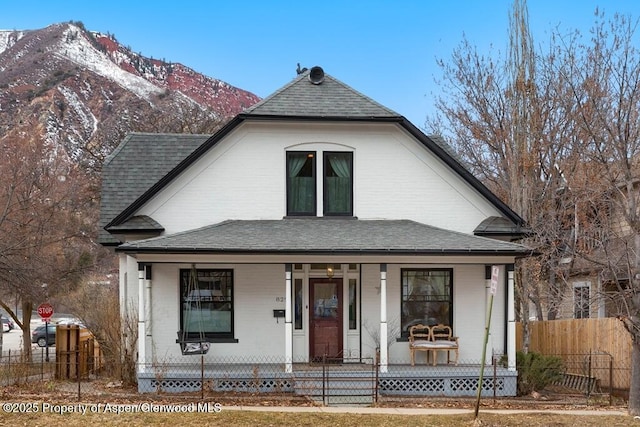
{"points": [[329, 99], [319, 236], [135, 166], [144, 163]]}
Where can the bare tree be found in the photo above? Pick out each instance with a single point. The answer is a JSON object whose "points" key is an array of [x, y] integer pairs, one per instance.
{"points": [[604, 77], [507, 118], [557, 135], [42, 227]]}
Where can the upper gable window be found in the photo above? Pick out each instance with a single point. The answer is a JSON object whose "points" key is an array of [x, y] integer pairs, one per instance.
{"points": [[338, 183], [301, 183]]}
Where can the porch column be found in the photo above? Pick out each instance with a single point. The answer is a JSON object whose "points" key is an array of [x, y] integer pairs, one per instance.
{"points": [[142, 333], [487, 319], [511, 326], [148, 301], [384, 351], [288, 325]]}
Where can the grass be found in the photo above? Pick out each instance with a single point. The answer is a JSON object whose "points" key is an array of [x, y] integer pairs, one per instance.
{"points": [[274, 418], [39, 396]]}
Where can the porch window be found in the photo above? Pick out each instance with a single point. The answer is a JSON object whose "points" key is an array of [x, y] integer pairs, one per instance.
{"points": [[353, 304], [338, 183], [581, 300], [207, 307], [301, 183], [297, 292], [427, 298]]}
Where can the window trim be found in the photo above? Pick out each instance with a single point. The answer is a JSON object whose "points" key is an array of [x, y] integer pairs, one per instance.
{"points": [[325, 161], [214, 337], [315, 183], [404, 335]]}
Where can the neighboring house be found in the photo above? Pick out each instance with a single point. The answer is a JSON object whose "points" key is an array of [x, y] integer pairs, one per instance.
{"points": [[317, 224], [594, 267]]}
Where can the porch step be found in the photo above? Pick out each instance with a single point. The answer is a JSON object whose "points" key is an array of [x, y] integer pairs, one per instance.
{"points": [[348, 388]]}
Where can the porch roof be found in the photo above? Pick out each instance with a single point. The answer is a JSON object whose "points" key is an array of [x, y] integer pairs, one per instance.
{"points": [[324, 236]]}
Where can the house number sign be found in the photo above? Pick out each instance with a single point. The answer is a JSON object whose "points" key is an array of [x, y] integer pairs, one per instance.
{"points": [[279, 299]]}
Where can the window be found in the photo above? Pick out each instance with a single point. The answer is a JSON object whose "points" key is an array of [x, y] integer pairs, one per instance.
{"points": [[297, 292], [338, 183], [353, 304], [427, 297], [301, 183], [581, 300], [207, 303]]}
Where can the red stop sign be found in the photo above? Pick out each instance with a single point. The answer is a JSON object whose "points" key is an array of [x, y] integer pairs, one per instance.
{"points": [[45, 310]]}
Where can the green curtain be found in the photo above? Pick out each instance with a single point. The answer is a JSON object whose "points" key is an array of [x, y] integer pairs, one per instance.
{"points": [[300, 198], [338, 187]]}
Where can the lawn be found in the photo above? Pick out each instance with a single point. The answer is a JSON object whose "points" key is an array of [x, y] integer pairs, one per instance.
{"points": [[256, 418], [56, 403]]}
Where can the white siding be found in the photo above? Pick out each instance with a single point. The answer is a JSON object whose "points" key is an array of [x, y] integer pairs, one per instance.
{"points": [[470, 303], [259, 334], [259, 288], [243, 177]]}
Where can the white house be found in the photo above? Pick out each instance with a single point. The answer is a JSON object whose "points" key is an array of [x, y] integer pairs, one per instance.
{"points": [[317, 224]]}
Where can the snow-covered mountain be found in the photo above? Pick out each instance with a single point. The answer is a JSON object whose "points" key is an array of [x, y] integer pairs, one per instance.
{"points": [[79, 89]]}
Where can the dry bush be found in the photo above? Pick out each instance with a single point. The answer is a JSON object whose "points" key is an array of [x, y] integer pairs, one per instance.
{"points": [[98, 306]]}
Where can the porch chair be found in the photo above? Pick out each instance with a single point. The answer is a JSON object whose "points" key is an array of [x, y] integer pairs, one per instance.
{"points": [[442, 339], [419, 340]]}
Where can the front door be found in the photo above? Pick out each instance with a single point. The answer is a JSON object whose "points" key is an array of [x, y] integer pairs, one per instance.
{"points": [[325, 318]]}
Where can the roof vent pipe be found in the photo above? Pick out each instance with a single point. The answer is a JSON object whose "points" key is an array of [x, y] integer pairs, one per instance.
{"points": [[316, 75]]}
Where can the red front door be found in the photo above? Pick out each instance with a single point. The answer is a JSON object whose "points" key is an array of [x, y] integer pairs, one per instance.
{"points": [[326, 318]]}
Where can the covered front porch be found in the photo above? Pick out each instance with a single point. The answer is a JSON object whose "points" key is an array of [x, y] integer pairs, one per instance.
{"points": [[269, 311]]}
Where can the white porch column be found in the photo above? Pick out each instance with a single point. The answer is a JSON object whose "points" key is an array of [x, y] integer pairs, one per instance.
{"points": [[384, 351], [148, 302], [142, 333], [487, 319], [288, 325], [511, 326]]}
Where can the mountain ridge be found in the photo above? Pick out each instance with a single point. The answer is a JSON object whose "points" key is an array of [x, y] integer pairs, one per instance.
{"points": [[84, 90]]}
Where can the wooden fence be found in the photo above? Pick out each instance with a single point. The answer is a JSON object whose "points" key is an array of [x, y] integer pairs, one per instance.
{"points": [[76, 349], [603, 346]]}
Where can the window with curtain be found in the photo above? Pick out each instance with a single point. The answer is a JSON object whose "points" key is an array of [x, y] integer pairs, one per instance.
{"points": [[207, 302], [338, 183], [301, 183], [427, 297]]}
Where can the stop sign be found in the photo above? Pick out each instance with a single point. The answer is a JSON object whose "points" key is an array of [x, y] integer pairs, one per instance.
{"points": [[45, 310]]}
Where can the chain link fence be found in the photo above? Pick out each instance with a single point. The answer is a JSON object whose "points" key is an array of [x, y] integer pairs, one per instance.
{"points": [[595, 373], [328, 381], [16, 367]]}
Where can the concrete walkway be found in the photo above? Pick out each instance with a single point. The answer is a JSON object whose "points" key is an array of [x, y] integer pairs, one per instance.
{"points": [[415, 411]]}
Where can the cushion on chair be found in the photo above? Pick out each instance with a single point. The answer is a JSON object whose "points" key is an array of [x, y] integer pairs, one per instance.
{"points": [[443, 343], [422, 344]]}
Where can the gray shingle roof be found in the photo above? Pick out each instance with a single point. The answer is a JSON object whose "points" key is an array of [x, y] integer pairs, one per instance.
{"points": [[496, 226], [331, 98], [138, 223], [324, 236], [135, 166]]}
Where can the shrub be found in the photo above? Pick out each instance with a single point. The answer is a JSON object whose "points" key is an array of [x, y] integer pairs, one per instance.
{"points": [[536, 371]]}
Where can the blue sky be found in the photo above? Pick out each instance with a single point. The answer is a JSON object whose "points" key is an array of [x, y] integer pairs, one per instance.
{"points": [[384, 49]]}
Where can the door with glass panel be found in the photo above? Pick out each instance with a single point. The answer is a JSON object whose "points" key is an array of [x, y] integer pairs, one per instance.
{"points": [[325, 319]]}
